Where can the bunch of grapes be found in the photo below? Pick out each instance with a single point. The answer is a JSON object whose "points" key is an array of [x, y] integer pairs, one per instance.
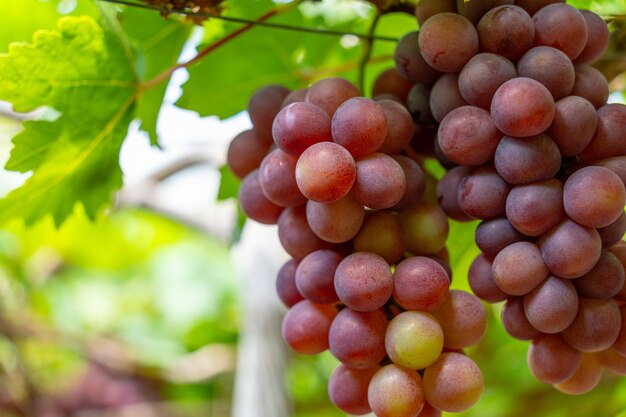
{"points": [[368, 278], [534, 151]]}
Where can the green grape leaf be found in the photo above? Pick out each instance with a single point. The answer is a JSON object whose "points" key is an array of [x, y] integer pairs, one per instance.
{"points": [[229, 184], [86, 74], [158, 43], [223, 81]]}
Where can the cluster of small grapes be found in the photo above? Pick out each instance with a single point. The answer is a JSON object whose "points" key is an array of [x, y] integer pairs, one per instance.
{"points": [[369, 278], [533, 149]]}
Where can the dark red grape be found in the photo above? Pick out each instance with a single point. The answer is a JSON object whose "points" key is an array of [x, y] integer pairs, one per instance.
{"points": [[468, 136], [614, 232], [286, 284], [396, 392], [364, 281], [597, 38], [347, 389], [586, 377], [254, 203], [245, 153], [325, 172], [295, 234], [552, 306], [482, 194], [315, 276], [392, 82], [591, 84], [335, 222], [493, 235], [295, 96], [329, 93], [453, 383], [300, 125], [447, 41], [527, 160], [551, 359], [415, 183], [420, 283], [574, 124], [609, 137], [515, 322], [357, 339], [522, 107], [410, 63], [561, 26], [532, 6], [605, 280], [277, 176], [445, 96], [535, 208], [482, 283], [427, 8], [447, 193], [519, 268], [463, 319], [507, 31], [264, 106], [483, 75], [305, 327], [400, 127], [595, 327], [380, 181], [570, 250], [551, 67], [360, 126]]}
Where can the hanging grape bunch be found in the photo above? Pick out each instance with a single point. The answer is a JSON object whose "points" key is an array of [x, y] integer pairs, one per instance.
{"points": [[535, 152], [531, 148]]}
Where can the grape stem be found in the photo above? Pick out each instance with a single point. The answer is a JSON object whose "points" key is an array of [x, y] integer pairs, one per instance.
{"points": [[368, 45]]}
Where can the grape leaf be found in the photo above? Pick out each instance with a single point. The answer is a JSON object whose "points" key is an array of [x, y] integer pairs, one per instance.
{"points": [[87, 75], [158, 43]]}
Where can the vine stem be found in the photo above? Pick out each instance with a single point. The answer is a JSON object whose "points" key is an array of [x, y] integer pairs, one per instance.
{"points": [[368, 46], [168, 72]]}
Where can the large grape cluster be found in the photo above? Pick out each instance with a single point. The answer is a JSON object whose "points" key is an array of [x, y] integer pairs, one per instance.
{"points": [[534, 151], [368, 278]]}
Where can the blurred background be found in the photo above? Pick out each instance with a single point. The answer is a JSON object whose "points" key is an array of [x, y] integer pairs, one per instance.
{"points": [[165, 305]]}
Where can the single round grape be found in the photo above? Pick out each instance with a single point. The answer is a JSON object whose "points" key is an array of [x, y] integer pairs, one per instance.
{"points": [[468, 136], [550, 67], [614, 232], [427, 229], [296, 96], [410, 63], [360, 126], [594, 196], [522, 107], [493, 235], [551, 359], [418, 104], [591, 85], [561, 26], [300, 125], [357, 339], [586, 377], [396, 392], [335, 222], [609, 137], [329, 93], [483, 75], [474, 10], [414, 340], [305, 327], [415, 182], [245, 153], [380, 182], [325, 172], [597, 38], [347, 389], [574, 124], [570, 250], [447, 41], [400, 127], [254, 203], [420, 283], [482, 194], [595, 327], [527, 160], [514, 320], [482, 283], [447, 193], [605, 280], [507, 31], [427, 8], [535, 208], [315, 276], [552, 306], [532, 6], [286, 284], [453, 383], [463, 319], [295, 234], [277, 176], [364, 281], [382, 233], [519, 268], [445, 96], [613, 362], [265, 105], [392, 82]]}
